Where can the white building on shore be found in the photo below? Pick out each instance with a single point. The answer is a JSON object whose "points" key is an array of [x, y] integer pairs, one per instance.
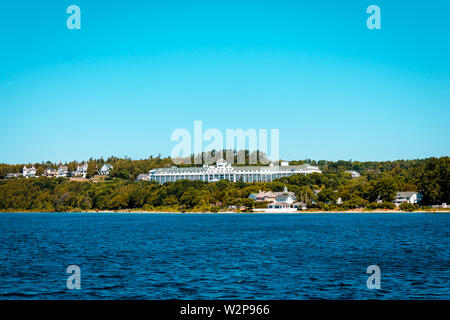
{"points": [[411, 197], [223, 170], [284, 201]]}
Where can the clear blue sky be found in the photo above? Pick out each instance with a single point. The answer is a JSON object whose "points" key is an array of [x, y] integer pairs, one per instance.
{"points": [[137, 70]]}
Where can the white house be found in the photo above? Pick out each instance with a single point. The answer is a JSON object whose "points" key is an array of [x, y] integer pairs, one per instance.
{"points": [[279, 205], [142, 177], [282, 196], [282, 207], [286, 197], [50, 172], [29, 172], [105, 169], [63, 171], [285, 201], [407, 196], [355, 174], [299, 205], [264, 196], [81, 171]]}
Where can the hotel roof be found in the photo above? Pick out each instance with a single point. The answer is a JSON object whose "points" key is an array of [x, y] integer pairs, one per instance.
{"points": [[406, 193]]}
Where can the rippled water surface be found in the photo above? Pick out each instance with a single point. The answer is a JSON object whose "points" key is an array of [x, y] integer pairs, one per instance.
{"points": [[224, 256]]}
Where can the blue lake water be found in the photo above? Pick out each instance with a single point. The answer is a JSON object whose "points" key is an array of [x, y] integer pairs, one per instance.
{"points": [[224, 256]]}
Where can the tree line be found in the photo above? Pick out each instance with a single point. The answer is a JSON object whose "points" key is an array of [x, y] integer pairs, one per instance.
{"points": [[375, 188]]}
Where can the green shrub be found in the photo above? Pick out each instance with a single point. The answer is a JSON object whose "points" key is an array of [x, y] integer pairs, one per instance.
{"points": [[382, 205], [409, 207]]}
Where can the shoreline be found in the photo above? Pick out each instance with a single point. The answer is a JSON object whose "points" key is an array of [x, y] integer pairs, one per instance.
{"points": [[226, 212]]}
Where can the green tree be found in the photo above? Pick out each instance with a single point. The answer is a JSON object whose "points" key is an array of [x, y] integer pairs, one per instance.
{"points": [[383, 189], [406, 206], [92, 169], [327, 196]]}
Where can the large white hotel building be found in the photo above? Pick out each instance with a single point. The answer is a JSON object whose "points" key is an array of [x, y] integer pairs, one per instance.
{"points": [[223, 170]]}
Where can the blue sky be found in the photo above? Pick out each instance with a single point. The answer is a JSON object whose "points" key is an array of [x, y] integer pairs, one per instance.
{"points": [[138, 70]]}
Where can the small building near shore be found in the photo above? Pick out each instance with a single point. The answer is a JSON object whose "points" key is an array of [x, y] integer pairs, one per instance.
{"points": [[279, 205], [411, 197], [281, 196], [286, 197], [299, 206], [284, 201], [263, 196]]}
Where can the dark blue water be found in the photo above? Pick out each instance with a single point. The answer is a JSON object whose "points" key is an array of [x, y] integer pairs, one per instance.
{"points": [[245, 256]]}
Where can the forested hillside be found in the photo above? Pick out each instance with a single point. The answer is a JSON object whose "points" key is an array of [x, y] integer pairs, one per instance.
{"points": [[379, 181]]}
